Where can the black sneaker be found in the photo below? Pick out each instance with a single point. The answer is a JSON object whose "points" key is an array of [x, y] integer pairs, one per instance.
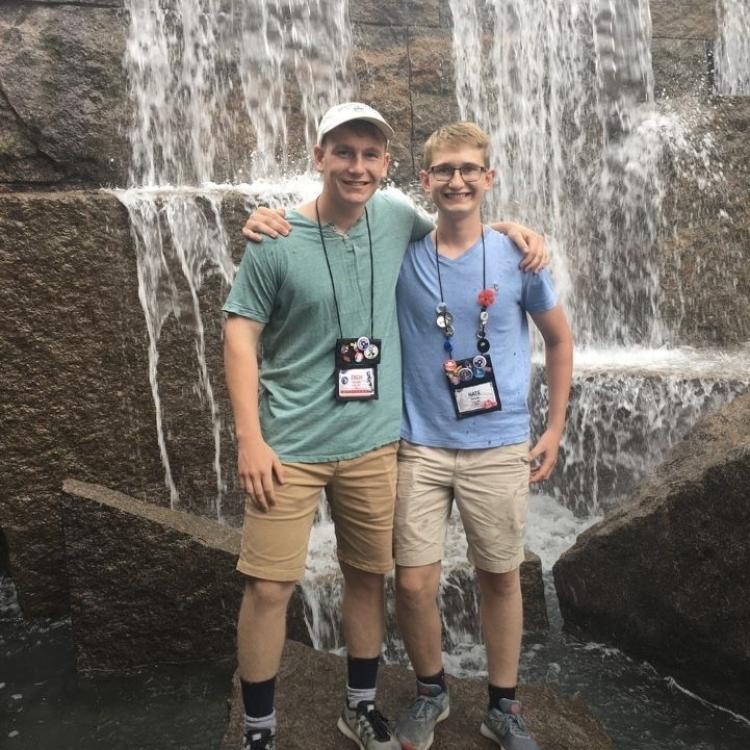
{"points": [[366, 726], [259, 739]]}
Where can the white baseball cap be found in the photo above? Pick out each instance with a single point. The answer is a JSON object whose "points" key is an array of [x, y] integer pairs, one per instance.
{"points": [[349, 111]]}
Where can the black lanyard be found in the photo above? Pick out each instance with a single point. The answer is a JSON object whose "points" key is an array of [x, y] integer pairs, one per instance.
{"points": [[330, 273]]}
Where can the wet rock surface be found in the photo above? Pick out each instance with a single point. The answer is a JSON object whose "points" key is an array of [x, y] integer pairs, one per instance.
{"points": [[663, 577], [317, 681]]}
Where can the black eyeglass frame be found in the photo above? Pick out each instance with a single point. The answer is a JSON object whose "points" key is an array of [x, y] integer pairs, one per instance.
{"points": [[460, 170]]}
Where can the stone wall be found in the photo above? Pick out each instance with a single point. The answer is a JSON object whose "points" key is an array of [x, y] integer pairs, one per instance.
{"points": [[73, 341]]}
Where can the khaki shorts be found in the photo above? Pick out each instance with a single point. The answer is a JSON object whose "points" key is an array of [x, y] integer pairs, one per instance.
{"points": [[361, 492], [491, 489]]}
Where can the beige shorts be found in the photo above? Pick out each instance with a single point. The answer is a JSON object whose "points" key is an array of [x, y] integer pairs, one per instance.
{"points": [[491, 489], [361, 492]]}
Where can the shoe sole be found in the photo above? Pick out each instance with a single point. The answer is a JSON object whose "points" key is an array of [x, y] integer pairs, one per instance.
{"points": [[408, 746], [485, 731], [344, 728]]}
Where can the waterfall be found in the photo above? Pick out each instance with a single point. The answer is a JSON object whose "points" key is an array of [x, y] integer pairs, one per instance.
{"points": [[206, 81], [732, 51], [565, 91]]}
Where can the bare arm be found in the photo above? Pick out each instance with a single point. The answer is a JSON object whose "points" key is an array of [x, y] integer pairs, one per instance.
{"points": [[558, 362], [256, 462], [529, 242]]}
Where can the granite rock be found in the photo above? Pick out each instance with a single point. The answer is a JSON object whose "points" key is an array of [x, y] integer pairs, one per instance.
{"points": [[664, 577]]}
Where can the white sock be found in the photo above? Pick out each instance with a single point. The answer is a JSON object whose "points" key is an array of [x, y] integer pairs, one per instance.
{"points": [[355, 696], [256, 723]]}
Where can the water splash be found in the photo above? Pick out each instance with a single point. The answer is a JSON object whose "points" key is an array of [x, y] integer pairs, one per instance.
{"points": [[732, 50]]}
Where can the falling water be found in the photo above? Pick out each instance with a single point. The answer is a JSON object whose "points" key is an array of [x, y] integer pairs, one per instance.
{"points": [[628, 408], [207, 83], [732, 50], [566, 92]]}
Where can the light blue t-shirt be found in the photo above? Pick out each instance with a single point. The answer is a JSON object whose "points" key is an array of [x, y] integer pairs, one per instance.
{"points": [[428, 416]]}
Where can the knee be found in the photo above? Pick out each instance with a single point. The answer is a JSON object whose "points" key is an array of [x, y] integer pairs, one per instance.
{"points": [[501, 585], [268, 594], [415, 588], [362, 581]]}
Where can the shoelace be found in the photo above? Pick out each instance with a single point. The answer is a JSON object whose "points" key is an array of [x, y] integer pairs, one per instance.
{"points": [[423, 706], [378, 724], [516, 721]]}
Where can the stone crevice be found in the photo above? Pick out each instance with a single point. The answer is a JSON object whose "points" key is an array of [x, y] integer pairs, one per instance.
{"points": [[412, 136], [29, 132]]}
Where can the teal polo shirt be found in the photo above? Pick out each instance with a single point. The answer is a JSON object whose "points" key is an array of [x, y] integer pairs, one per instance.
{"points": [[285, 284]]}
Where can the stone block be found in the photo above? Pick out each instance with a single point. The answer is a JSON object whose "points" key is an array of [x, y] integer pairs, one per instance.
{"points": [[150, 585], [660, 577], [681, 68], [395, 12], [690, 19], [62, 94]]}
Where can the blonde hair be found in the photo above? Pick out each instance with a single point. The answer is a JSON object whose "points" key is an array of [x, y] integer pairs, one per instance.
{"points": [[456, 135]]}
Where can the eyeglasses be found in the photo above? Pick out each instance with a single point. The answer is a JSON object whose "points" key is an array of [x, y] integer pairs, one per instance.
{"points": [[445, 172]]}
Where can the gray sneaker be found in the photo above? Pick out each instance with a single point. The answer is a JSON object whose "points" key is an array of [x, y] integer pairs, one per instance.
{"points": [[366, 726], [415, 730], [506, 728]]}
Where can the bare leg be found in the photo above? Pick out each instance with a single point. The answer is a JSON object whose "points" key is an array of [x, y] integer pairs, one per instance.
{"points": [[261, 629], [419, 617], [363, 612], [502, 625]]}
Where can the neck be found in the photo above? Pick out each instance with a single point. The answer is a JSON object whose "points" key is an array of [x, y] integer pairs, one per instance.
{"points": [[342, 217], [458, 234]]}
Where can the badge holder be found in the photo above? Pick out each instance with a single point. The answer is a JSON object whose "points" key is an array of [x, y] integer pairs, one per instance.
{"points": [[357, 363], [472, 386]]}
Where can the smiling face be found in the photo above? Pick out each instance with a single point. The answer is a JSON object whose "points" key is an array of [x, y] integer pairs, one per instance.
{"points": [[460, 195], [353, 160]]}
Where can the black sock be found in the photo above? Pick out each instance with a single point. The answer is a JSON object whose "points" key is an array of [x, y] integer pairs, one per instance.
{"points": [[362, 673], [258, 697], [362, 678], [498, 693], [435, 679]]}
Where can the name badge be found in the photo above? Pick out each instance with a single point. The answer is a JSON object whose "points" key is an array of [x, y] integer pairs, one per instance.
{"points": [[356, 373], [472, 386]]}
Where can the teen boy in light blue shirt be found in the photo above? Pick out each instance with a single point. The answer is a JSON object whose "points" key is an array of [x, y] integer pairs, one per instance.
{"points": [[463, 305]]}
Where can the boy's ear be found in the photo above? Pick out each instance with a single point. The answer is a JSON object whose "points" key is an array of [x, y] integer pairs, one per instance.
{"points": [[489, 176], [424, 179], [318, 152], [387, 164]]}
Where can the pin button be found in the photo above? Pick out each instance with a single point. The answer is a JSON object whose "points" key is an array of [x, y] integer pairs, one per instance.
{"points": [[479, 361], [372, 351], [362, 343]]}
